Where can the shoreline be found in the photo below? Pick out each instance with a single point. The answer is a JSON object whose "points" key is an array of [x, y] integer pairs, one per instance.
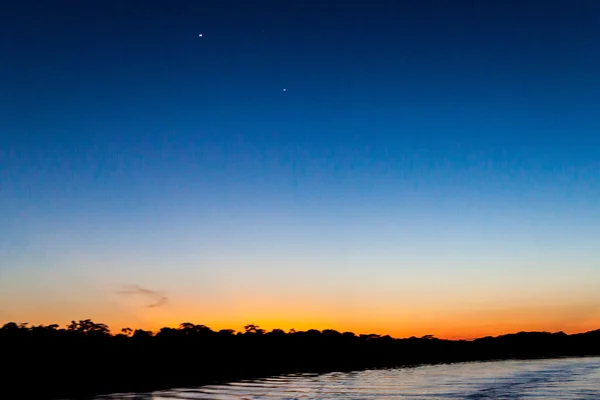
{"points": [[85, 360]]}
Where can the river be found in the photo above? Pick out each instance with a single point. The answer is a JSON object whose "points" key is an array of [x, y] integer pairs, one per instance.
{"points": [[566, 378]]}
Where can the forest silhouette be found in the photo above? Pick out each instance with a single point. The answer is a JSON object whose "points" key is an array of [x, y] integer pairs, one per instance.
{"points": [[85, 358]]}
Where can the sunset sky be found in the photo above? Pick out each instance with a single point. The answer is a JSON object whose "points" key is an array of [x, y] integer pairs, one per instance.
{"points": [[432, 167]]}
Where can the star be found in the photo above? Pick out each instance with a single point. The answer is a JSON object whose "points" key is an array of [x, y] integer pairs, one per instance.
{"points": [[200, 35]]}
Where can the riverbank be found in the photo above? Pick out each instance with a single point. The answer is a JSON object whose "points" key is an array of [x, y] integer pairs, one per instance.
{"points": [[85, 359]]}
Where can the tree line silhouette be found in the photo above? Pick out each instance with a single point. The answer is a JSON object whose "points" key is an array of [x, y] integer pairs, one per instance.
{"points": [[86, 359]]}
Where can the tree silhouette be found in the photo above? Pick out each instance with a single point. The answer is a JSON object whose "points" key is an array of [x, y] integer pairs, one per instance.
{"points": [[226, 332], [10, 326], [88, 327], [83, 358], [253, 329], [141, 334]]}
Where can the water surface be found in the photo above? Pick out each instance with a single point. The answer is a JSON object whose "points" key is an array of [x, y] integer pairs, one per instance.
{"points": [[567, 378]]}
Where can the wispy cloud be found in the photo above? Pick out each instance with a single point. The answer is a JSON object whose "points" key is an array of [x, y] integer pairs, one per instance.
{"points": [[157, 298], [160, 302]]}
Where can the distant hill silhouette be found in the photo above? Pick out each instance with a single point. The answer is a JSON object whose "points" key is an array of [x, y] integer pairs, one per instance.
{"points": [[85, 358]]}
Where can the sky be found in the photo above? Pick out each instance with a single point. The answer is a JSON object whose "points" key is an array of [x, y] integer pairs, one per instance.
{"points": [[403, 168]]}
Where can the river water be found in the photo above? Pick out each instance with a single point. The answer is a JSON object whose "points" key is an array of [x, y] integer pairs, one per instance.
{"points": [[567, 378]]}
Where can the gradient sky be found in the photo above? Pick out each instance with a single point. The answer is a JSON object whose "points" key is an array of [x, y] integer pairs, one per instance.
{"points": [[431, 168]]}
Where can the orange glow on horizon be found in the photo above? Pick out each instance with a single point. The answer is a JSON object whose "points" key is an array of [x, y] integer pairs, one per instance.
{"points": [[444, 328], [458, 320], [465, 325], [455, 331]]}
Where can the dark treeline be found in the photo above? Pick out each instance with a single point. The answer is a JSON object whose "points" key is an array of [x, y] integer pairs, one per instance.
{"points": [[86, 359]]}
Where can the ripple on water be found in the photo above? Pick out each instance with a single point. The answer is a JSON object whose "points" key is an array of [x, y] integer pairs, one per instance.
{"points": [[557, 379]]}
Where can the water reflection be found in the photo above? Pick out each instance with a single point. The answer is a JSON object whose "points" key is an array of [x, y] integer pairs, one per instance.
{"points": [[572, 378]]}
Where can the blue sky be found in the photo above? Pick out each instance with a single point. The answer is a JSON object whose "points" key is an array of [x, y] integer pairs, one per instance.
{"points": [[416, 144]]}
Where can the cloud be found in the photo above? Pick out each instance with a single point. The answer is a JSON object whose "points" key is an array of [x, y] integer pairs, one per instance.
{"points": [[159, 303], [157, 299]]}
